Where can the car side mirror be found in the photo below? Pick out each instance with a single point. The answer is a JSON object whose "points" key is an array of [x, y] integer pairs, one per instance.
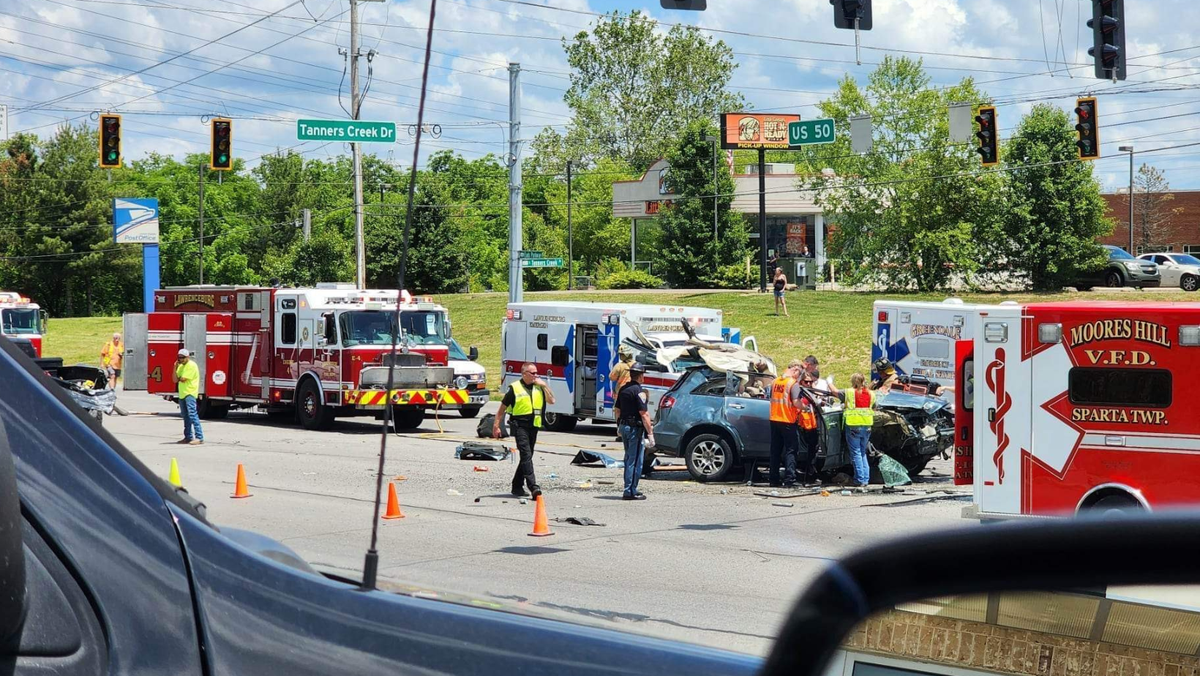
{"points": [[12, 554], [473, 353]]}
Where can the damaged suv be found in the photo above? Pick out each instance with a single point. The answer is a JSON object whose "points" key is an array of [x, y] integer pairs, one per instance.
{"points": [[715, 426]]}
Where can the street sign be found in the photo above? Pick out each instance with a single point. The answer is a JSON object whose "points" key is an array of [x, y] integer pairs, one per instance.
{"points": [[531, 254], [351, 131], [3, 123], [541, 262], [135, 221], [810, 132]]}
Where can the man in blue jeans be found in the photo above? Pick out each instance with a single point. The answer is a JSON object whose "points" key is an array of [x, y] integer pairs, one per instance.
{"points": [[858, 419], [187, 380], [633, 421]]}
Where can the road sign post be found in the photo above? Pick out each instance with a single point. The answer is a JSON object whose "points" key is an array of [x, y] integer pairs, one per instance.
{"points": [[351, 131], [541, 262], [810, 132]]}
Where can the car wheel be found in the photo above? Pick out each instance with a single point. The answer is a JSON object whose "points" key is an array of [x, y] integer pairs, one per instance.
{"points": [[1189, 282], [469, 411], [708, 457], [313, 413], [558, 422], [1113, 279], [408, 418], [1083, 287]]}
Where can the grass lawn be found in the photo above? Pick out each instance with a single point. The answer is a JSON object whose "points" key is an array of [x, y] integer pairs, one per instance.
{"points": [[834, 326]]}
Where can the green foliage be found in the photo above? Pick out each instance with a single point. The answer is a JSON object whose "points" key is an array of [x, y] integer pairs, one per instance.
{"points": [[1055, 212], [689, 255], [633, 87], [629, 279], [909, 213]]}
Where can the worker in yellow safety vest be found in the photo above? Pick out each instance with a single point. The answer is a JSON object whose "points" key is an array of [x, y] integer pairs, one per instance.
{"points": [[858, 419], [526, 401], [785, 435]]}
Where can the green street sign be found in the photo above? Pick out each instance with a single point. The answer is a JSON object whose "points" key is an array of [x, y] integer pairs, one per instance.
{"points": [[810, 132], [541, 262], [350, 131], [531, 254]]}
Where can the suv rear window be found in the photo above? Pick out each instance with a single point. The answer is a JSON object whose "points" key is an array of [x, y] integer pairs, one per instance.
{"points": [[1146, 388]]}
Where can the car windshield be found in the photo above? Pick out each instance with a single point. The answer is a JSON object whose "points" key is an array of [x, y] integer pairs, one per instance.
{"points": [[456, 351], [20, 321], [1117, 254], [1184, 259]]}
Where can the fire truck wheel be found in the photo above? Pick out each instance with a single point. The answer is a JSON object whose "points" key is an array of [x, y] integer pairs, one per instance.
{"points": [[557, 422], [1113, 279], [408, 418], [313, 413], [1189, 282], [207, 410], [469, 411]]}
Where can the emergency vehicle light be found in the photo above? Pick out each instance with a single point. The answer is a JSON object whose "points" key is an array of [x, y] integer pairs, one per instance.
{"points": [[905, 317], [883, 316], [1189, 336], [1049, 334], [995, 332], [514, 314]]}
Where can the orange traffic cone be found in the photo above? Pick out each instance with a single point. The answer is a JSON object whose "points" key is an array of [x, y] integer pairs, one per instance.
{"points": [[240, 490], [393, 506], [541, 528]]}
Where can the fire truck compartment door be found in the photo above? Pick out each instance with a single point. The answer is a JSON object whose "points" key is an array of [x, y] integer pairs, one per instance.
{"points": [[195, 340], [265, 344], [136, 340]]}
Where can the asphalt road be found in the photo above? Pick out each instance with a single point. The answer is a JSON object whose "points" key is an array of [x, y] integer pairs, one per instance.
{"points": [[706, 563]]}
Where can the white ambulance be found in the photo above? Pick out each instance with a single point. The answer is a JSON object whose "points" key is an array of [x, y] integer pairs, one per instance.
{"points": [[918, 336], [574, 345]]}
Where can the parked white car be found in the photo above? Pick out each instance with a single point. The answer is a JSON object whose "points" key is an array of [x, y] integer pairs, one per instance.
{"points": [[1176, 269]]}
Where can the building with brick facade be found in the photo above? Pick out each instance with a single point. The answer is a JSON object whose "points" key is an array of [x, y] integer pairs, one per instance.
{"points": [[1180, 231]]}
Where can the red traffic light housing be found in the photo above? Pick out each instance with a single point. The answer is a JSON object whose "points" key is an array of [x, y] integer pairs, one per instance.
{"points": [[989, 148], [1088, 128], [110, 141], [221, 154]]}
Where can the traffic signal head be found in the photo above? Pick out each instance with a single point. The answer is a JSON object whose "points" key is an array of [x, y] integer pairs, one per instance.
{"points": [[989, 149], [1108, 36], [110, 141], [696, 5], [221, 157], [846, 11], [1088, 128]]}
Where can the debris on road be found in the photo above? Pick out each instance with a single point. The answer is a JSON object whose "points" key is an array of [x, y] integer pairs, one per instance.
{"points": [[452, 492], [578, 521], [480, 469], [400, 477], [583, 484], [592, 459], [477, 450], [605, 482], [783, 504]]}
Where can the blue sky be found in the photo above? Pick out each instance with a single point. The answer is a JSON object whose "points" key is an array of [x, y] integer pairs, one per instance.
{"points": [[56, 64]]}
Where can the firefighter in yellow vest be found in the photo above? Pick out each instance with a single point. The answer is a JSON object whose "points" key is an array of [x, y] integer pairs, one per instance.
{"points": [[858, 419], [785, 434], [525, 401]]}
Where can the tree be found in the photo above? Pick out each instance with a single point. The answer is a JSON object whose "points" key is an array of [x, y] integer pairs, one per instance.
{"points": [[908, 213], [1055, 213], [1152, 212], [633, 87], [690, 253]]}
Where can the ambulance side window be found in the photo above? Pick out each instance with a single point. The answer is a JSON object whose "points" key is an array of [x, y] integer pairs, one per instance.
{"points": [[968, 384], [287, 329], [932, 347], [542, 342]]}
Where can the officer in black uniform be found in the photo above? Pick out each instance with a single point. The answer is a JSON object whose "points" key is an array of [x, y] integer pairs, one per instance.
{"points": [[526, 399], [633, 422]]}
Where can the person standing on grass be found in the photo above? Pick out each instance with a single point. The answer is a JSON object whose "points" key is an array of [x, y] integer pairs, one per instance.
{"points": [[780, 284], [858, 419], [633, 420], [111, 356], [526, 399], [187, 381]]}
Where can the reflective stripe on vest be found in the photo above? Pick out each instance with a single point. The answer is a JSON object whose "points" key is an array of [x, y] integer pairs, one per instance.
{"points": [[782, 408], [524, 404], [856, 416]]}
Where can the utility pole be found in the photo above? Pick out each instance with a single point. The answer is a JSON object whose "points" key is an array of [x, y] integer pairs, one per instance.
{"points": [[762, 220], [570, 234], [307, 216], [201, 224], [360, 252], [1129, 149], [716, 245], [515, 277]]}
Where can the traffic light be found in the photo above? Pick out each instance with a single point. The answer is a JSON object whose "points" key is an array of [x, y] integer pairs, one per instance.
{"points": [[697, 5], [110, 141], [221, 157], [1088, 128], [846, 11], [1108, 34], [989, 149]]}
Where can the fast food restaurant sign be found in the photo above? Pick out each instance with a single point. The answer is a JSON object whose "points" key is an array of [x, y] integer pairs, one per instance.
{"points": [[741, 131]]}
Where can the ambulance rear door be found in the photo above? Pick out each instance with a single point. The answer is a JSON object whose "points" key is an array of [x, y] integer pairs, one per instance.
{"points": [[1003, 410]]}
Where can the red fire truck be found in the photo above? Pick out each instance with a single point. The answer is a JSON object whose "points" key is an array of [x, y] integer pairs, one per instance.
{"points": [[318, 352], [1064, 407], [22, 321]]}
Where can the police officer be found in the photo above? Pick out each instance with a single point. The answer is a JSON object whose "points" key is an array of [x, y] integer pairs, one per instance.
{"points": [[633, 421], [785, 435], [526, 401]]}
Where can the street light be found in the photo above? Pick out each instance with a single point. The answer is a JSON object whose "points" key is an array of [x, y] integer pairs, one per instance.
{"points": [[1129, 149], [716, 246]]}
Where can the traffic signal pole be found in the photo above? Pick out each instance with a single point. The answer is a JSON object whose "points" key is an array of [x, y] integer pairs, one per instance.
{"points": [[202, 223], [360, 254]]}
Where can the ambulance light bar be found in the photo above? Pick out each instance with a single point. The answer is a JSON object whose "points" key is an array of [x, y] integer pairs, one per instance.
{"points": [[1050, 334], [1189, 336]]}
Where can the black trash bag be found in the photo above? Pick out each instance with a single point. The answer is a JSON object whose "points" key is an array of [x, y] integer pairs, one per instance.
{"points": [[594, 459], [477, 450], [484, 428]]}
